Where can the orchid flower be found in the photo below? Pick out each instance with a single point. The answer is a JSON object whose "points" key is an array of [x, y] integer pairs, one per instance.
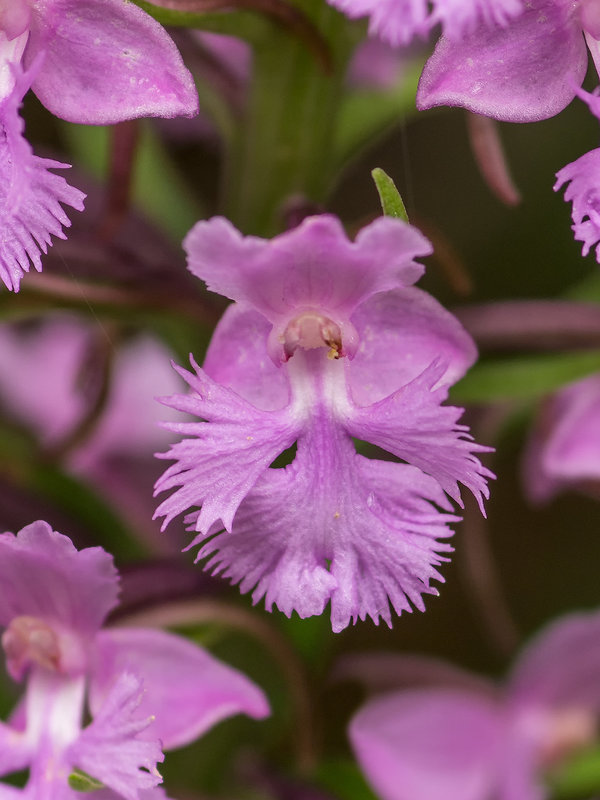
{"points": [[472, 740], [145, 689], [88, 61], [327, 342]]}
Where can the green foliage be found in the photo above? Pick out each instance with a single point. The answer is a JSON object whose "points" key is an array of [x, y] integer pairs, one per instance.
{"points": [[526, 377]]}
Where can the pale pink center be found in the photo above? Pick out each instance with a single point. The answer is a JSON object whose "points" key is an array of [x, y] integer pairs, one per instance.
{"points": [[311, 330], [29, 640]]}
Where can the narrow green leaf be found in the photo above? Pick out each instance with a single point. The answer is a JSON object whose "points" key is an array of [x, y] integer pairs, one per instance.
{"points": [[80, 781], [525, 377], [391, 202]]}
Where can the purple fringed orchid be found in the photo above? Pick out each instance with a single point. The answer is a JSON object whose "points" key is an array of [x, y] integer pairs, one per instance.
{"points": [[564, 449], [469, 739], [88, 61], [524, 71], [583, 177], [145, 689], [398, 22], [327, 342]]}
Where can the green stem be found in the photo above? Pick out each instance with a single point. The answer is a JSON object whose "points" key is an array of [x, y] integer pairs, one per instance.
{"points": [[285, 146]]}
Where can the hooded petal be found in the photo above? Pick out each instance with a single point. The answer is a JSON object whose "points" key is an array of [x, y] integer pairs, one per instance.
{"points": [[107, 61], [560, 666], [335, 526], [30, 195], [428, 744], [111, 750], [412, 425], [42, 575], [186, 690], [401, 333], [230, 451], [524, 72], [312, 267]]}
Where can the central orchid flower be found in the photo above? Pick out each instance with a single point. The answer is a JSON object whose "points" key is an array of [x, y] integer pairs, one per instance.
{"points": [[88, 61], [326, 343]]}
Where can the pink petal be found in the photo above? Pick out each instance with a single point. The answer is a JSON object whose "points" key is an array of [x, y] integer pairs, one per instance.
{"points": [[335, 526], [107, 61], [428, 744], [412, 425], [583, 177], [42, 575], [186, 689], [237, 358], [111, 749], [565, 448], [233, 446], [31, 195], [312, 267], [560, 666], [524, 72], [401, 333]]}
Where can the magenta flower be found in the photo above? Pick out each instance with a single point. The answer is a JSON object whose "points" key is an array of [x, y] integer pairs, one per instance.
{"points": [[583, 177], [524, 71], [88, 61], [399, 21], [564, 449], [472, 740], [53, 602], [327, 341], [30, 194]]}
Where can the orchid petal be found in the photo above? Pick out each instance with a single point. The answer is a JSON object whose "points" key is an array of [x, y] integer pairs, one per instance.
{"points": [[430, 743], [107, 61], [201, 691], [524, 72]]}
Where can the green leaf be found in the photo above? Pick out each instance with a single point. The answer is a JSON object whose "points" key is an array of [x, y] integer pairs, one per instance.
{"points": [[527, 377], [285, 143], [579, 777], [80, 781], [391, 202]]}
